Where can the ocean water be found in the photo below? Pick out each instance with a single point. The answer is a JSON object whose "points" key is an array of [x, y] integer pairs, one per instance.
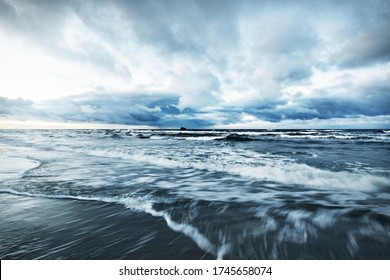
{"points": [[236, 194]]}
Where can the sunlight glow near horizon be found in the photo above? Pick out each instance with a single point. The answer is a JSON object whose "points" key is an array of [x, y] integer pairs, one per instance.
{"points": [[19, 124]]}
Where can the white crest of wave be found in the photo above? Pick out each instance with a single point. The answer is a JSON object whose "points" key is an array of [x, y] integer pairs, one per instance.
{"points": [[302, 174], [274, 169], [59, 196], [145, 204], [264, 167]]}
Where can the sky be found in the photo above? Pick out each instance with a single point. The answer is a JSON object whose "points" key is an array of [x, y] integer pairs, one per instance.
{"points": [[195, 63]]}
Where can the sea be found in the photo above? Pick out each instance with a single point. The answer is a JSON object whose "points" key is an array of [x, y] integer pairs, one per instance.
{"points": [[194, 194]]}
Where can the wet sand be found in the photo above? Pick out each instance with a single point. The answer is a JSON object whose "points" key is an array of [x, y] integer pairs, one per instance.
{"points": [[14, 166], [43, 228]]}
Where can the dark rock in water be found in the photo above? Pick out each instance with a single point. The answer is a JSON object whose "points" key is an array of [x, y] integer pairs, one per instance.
{"points": [[183, 128], [236, 137], [143, 136]]}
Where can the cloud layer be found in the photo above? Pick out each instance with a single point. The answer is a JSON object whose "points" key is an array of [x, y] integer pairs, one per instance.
{"points": [[196, 63]]}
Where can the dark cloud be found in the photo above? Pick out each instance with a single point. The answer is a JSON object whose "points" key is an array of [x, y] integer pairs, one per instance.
{"points": [[113, 108], [7, 12], [15, 107], [183, 26], [34, 19], [366, 49], [211, 27], [362, 36], [161, 110], [171, 26], [136, 109]]}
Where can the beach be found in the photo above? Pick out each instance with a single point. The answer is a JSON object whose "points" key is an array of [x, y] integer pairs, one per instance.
{"points": [[42, 228]]}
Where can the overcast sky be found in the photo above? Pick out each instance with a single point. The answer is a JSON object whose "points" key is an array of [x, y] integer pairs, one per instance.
{"points": [[223, 64]]}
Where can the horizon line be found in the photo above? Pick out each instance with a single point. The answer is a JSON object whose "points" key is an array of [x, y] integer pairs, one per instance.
{"points": [[52, 125]]}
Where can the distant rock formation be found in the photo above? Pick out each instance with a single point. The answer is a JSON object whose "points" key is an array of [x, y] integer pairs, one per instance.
{"points": [[183, 128]]}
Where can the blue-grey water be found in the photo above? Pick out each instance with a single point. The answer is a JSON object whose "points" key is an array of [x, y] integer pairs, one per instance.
{"points": [[255, 194]]}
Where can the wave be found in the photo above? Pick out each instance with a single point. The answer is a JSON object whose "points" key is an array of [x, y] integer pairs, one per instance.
{"points": [[190, 231], [190, 134], [181, 135], [253, 135], [262, 167], [59, 196], [302, 174], [243, 136]]}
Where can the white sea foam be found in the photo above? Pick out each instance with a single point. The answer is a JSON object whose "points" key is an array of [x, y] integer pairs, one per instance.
{"points": [[302, 174], [138, 203], [192, 232], [59, 196], [145, 204], [263, 167]]}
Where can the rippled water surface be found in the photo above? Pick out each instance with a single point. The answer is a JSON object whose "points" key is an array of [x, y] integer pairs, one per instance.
{"points": [[273, 194]]}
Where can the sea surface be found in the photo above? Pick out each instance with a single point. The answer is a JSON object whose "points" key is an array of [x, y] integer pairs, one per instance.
{"points": [[232, 194]]}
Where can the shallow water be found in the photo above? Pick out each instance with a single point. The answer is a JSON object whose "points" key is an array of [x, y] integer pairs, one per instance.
{"points": [[273, 194]]}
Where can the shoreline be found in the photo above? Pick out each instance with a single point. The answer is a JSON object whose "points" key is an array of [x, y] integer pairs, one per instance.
{"points": [[13, 166], [44, 228]]}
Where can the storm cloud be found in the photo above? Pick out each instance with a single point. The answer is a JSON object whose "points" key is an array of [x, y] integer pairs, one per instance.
{"points": [[195, 63]]}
